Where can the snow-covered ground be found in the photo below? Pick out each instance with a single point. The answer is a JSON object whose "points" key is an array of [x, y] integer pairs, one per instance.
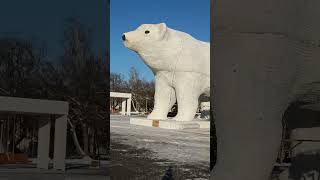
{"points": [[154, 150], [186, 146], [77, 169], [24, 172]]}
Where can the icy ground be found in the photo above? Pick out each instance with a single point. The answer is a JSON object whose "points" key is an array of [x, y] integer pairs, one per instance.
{"points": [[187, 146], [187, 151], [77, 169]]}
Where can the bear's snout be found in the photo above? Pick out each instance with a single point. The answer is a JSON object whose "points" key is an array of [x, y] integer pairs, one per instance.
{"points": [[123, 37]]}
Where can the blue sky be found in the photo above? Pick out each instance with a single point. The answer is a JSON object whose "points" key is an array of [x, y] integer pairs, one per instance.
{"points": [[191, 16], [41, 20]]}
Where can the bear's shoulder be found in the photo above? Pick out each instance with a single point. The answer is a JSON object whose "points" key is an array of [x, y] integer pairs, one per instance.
{"points": [[176, 35]]}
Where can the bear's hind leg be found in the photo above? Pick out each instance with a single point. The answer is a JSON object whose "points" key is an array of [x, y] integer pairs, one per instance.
{"points": [[187, 97]]}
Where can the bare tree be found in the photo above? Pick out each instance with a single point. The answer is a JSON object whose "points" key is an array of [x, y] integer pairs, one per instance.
{"points": [[79, 78], [18, 68], [142, 90], [19, 71], [83, 76]]}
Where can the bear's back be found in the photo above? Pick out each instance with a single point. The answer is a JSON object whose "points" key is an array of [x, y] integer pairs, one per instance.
{"points": [[194, 55]]}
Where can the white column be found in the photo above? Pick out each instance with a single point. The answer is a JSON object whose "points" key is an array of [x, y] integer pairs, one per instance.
{"points": [[43, 143], [60, 142], [123, 107], [129, 106], [250, 97]]}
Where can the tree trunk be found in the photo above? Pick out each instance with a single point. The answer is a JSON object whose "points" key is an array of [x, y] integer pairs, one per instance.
{"points": [[85, 138], [75, 140], [133, 104], [92, 131]]}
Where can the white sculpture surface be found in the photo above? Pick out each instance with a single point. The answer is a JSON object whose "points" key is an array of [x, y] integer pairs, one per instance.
{"points": [[181, 65], [266, 58]]}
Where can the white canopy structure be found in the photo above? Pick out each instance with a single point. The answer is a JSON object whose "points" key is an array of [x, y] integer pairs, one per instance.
{"points": [[42, 111], [126, 101]]}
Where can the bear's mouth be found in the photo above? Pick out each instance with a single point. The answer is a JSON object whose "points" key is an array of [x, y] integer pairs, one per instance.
{"points": [[126, 44], [129, 46]]}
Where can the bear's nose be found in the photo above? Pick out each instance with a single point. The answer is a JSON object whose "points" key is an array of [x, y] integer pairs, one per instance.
{"points": [[124, 37]]}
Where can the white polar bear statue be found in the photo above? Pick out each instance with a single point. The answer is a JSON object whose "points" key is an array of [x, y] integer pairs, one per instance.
{"points": [[181, 65]]}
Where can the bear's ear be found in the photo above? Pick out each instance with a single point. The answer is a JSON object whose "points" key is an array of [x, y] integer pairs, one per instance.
{"points": [[162, 29]]}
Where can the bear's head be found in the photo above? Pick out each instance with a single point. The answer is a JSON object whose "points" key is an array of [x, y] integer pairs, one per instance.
{"points": [[144, 36]]}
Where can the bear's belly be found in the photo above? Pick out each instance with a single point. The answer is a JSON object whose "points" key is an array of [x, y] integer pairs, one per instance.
{"points": [[195, 80]]}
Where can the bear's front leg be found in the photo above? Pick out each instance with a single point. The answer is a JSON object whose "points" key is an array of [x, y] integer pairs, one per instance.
{"points": [[187, 92], [164, 98]]}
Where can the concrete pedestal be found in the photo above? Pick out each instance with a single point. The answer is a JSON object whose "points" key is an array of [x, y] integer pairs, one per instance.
{"points": [[170, 124]]}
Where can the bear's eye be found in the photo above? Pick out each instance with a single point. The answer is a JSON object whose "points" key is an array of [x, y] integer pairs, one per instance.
{"points": [[147, 32]]}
